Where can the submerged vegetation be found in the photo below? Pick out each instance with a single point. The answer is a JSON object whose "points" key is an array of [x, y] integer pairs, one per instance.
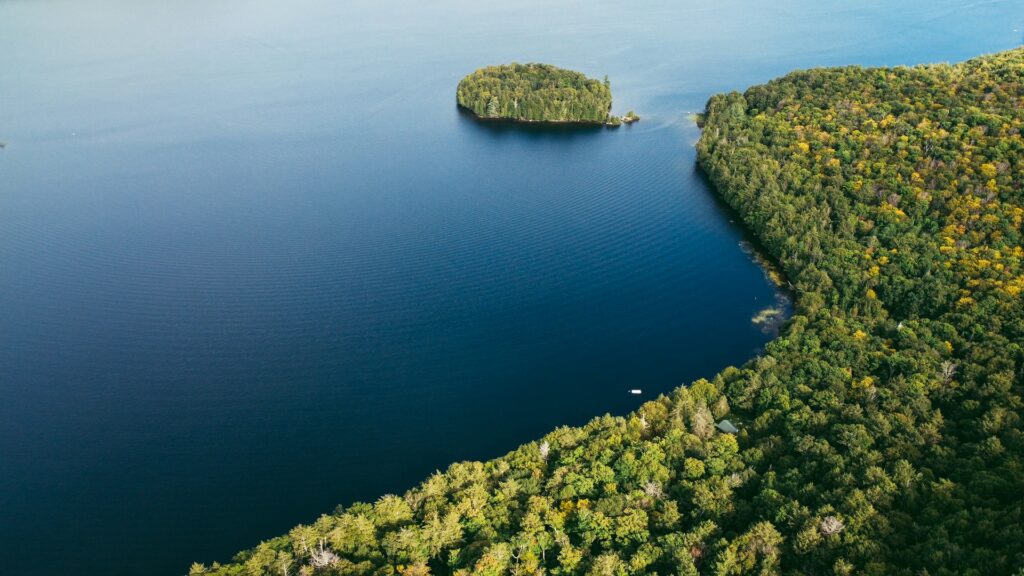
{"points": [[538, 93], [769, 318], [879, 434]]}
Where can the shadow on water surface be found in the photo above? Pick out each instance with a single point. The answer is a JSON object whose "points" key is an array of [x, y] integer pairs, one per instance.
{"points": [[531, 130], [773, 318]]}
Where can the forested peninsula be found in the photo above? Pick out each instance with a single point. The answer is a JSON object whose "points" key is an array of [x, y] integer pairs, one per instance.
{"points": [[879, 434], [538, 93]]}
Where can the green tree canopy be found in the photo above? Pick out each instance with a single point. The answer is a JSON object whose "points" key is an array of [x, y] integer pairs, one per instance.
{"points": [[535, 93]]}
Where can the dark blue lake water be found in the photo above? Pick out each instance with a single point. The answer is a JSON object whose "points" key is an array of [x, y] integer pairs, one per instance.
{"points": [[254, 263]]}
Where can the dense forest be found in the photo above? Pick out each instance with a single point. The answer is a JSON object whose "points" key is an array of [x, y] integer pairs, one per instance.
{"points": [[879, 434], [537, 93]]}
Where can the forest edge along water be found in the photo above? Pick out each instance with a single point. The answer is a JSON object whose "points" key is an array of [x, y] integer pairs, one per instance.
{"points": [[903, 344]]}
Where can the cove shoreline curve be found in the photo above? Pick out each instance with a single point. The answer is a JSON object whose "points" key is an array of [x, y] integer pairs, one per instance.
{"points": [[837, 450]]}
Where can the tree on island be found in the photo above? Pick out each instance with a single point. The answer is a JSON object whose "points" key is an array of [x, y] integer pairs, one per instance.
{"points": [[536, 93]]}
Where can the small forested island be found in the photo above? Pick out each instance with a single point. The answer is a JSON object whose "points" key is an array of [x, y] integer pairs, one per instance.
{"points": [[879, 434], [538, 93]]}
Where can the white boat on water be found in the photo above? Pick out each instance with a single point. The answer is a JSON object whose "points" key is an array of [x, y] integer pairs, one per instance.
{"points": [[636, 391]]}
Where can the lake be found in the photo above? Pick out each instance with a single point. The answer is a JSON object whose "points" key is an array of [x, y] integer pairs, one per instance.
{"points": [[254, 263]]}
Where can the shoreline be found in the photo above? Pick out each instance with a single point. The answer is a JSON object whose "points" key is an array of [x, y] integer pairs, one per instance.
{"points": [[581, 123]]}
